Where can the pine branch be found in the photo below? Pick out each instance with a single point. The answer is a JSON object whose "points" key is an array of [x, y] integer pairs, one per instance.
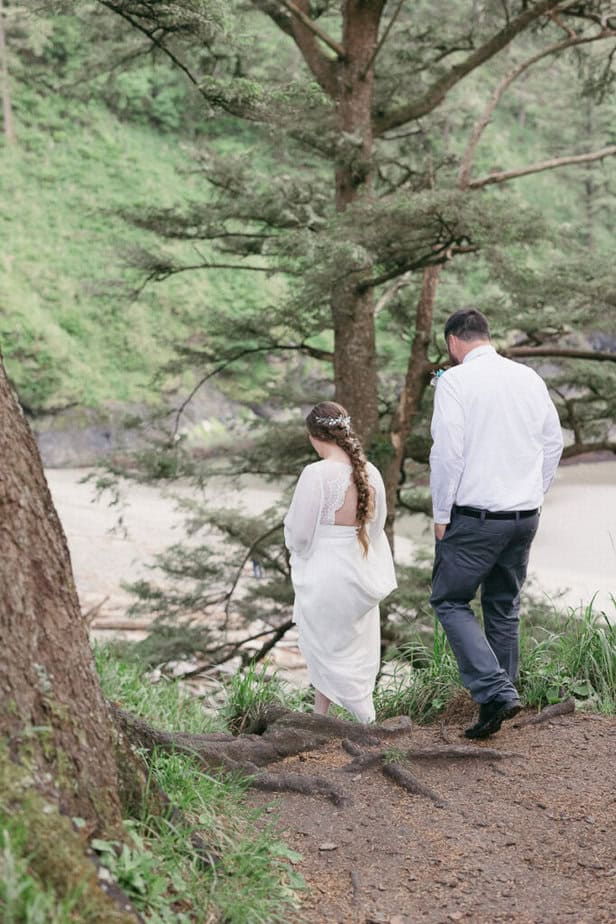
{"points": [[311, 25], [383, 39], [440, 255], [439, 89], [160, 274], [297, 24], [555, 163], [486, 117], [279, 633], [244, 561], [560, 352], [392, 291], [151, 35], [314, 352]]}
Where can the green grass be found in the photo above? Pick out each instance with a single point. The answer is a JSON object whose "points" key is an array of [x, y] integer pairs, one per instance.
{"points": [[165, 703], [575, 655], [423, 680], [577, 660], [250, 879], [249, 692]]}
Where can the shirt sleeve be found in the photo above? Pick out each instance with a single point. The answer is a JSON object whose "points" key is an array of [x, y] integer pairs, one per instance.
{"points": [[303, 516], [447, 454], [552, 443]]}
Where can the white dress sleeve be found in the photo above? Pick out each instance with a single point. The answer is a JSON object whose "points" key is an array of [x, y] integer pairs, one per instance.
{"points": [[377, 524], [302, 519]]}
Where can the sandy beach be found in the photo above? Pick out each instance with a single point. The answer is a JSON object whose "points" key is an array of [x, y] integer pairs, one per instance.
{"points": [[574, 553]]}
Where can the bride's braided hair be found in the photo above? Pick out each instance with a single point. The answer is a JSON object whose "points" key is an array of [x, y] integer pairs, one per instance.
{"points": [[330, 422]]}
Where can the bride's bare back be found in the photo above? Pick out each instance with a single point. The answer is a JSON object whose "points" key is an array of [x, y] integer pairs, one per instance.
{"points": [[346, 515]]}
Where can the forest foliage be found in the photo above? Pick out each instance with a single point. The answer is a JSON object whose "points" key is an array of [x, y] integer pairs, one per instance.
{"points": [[187, 207], [109, 126]]}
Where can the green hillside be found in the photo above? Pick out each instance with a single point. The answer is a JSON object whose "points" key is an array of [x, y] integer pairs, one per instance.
{"points": [[71, 330]]}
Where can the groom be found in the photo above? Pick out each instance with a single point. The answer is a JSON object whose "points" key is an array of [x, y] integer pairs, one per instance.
{"points": [[497, 443]]}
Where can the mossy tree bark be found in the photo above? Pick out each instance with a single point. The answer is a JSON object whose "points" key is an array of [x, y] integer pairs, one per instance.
{"points": [[52, 712]]}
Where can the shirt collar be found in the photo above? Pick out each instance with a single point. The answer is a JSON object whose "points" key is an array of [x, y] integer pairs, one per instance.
{"points": [[482, 350]]}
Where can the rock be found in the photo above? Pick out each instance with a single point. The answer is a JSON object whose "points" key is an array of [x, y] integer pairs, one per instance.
{"points": [[397, 723], [328, 845]]}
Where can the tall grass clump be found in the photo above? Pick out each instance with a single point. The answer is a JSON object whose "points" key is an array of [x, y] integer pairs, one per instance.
{"points": [[250, 692], [423, 680], [574, 655], [165, 702], [577, 660]]}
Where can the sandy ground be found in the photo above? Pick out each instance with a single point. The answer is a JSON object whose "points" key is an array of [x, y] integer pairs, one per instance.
{"points": [[574, 552]]}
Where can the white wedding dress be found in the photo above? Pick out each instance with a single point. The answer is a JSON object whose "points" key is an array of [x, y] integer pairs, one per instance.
{"points": [[337, 589]]}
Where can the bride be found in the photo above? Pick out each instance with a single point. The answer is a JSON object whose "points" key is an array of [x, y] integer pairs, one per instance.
{"points": [[341, 564]]}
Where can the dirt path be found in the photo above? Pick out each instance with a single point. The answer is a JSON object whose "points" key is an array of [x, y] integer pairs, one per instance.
{"points": [[529, 839]]}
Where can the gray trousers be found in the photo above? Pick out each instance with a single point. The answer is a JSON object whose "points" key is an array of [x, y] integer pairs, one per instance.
{"points": [[493, 555]]}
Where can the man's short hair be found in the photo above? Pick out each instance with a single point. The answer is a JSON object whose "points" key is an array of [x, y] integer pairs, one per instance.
{"points": [[468, 324]]}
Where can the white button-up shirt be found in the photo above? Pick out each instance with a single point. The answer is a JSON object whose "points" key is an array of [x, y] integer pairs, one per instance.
{"points": [[497, 436]]}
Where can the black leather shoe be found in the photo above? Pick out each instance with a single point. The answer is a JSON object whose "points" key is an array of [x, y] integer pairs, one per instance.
{"points": [[491, 716]]}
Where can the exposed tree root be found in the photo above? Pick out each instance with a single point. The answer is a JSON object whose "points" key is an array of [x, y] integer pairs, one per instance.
{"points": [[296, 782], [363, 761], [285, 734], [405, 778], [351, 748], [567, 707]]}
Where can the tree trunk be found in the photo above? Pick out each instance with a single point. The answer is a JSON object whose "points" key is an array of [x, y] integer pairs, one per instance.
{"points": [[353, 309], [52, 711], [416, 381], [7, 109]]}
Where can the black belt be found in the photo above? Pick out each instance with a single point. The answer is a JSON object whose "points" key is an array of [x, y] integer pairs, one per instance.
{"points": [[493, 515]]}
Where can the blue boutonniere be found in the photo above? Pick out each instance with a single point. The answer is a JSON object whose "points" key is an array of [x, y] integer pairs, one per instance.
{"points": [[436, 376]]}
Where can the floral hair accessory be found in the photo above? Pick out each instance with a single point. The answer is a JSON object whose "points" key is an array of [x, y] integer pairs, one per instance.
{"points": [[436, 376], [340, 421]]}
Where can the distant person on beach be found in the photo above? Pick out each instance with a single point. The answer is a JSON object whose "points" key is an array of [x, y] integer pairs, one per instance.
{"points": [[497, 444], [341, 564]]}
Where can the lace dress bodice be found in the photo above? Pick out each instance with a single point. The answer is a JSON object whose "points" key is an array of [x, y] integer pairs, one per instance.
{"points": [[335, 486], [320, 492]]}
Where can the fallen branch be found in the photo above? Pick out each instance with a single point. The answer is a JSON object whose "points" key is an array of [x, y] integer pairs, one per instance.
{"points": [[567, 707], [456, 751], [124, 625]]}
